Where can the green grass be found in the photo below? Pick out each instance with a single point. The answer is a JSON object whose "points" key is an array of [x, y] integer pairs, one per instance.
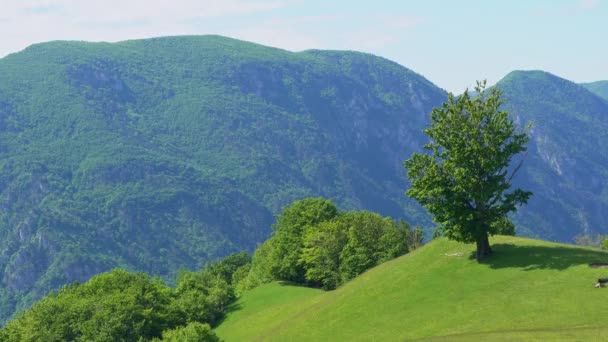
{"points": [[527, 290]]}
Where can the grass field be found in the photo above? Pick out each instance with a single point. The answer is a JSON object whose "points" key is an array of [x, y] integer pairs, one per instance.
{"points": [[528, 290]]}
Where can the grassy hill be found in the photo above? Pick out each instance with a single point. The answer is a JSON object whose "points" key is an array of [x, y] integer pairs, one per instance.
{"points": [[528, 289]]}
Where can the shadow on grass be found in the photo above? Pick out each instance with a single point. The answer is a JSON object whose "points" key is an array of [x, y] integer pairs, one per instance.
{"points": [[294, 284], [539, 257], [232, 307]]}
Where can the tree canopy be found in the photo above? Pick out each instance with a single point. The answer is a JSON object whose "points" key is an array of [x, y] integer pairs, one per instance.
{"points": [[317, 245], [464, 179], [127, 306]]}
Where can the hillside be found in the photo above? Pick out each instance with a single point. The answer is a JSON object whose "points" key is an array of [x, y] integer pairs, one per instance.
{"points": [[599, 88], [165, 153], [527, 289], [565, 166]]}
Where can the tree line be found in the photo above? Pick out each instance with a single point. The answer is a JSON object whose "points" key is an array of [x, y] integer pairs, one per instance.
{"points": [[312, 244], [315, 244]]}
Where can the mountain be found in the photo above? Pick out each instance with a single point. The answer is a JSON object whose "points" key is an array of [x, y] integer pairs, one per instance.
{"points": [[165, 153], [567, 166], [599, 88], [528, 290]]}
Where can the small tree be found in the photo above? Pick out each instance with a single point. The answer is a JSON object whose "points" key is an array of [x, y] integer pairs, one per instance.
{"points": [[464, 179]]}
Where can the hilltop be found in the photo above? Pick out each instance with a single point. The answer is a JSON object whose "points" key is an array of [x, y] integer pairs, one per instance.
{"points": [[527, 289]]}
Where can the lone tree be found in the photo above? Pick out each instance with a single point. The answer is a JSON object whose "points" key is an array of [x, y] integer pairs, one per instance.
{"points": [[464, 179]]}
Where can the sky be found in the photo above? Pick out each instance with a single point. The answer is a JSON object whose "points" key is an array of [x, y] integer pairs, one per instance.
{"points": [[452, 43]]}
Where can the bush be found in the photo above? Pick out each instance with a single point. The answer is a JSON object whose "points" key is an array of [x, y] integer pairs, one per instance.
{"points": [[288, 236], [126, 306], [193, 332], [321, 253], [315, 245]]}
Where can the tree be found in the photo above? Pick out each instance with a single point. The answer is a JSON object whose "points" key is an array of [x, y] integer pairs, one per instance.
{"points": [[113, 306], [260, 266], [464, 179], [414, 237], [288, 241], [323, 244], [372, 239]]}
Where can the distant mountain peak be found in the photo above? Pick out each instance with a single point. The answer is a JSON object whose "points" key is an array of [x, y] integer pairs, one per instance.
{"points": [[600, 88]]}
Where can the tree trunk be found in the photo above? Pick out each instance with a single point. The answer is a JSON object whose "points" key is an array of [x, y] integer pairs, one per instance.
{"points": [[483, 247]]}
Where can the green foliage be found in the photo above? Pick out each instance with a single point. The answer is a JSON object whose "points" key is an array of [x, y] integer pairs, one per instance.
{"points": [[464, 178], [260, 266], [202, 296], [415, 237], [230, 268], [113, 306], [124, 306], [289, 232], [321, 253], [193, 332], [372, 239], [326, 248], [503, 226]]}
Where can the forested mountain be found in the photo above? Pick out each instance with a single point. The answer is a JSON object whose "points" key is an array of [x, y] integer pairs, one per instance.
{"points": [[165, 153], [599, 88], [567, 164]]}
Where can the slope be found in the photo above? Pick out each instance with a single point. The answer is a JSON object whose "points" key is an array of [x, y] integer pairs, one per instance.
{"points": [[566, 164], [599, 88], [528, 288], [165, 153]]}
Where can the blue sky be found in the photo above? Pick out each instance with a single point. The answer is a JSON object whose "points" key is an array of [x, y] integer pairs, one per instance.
{"points": [[452, 43]]}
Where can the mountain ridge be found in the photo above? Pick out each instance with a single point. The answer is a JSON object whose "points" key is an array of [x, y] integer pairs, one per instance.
{"points": [[600, 88]]}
